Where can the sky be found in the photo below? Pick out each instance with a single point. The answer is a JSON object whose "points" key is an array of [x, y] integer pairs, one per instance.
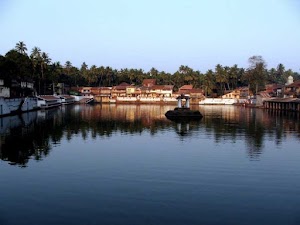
{"points": [[163, 34]]}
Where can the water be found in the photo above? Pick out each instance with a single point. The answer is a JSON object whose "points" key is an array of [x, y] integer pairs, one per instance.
{"points": [[128, 164]]}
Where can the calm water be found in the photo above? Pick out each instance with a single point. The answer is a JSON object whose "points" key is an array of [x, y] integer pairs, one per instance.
{"points": [[128, 164]]}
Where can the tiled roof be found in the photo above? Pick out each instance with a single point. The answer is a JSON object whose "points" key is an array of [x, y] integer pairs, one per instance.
{"points": [[149, 82], [123, 84], [48, 97], [295, 84], [186, 87], [264, 94], [162, 87], [284, 100], [196, 90], [191, 91], [66, 96]]}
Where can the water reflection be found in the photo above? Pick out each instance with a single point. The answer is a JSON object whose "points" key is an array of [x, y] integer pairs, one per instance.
{"points": [[33, 135], [253, 125]]}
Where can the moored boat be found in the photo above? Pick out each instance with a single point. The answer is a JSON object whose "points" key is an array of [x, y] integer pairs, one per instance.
{"points": [[48, 101]]}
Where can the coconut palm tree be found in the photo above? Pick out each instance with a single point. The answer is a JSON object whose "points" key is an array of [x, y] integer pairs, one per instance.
{"points": [[35, 60], [68, 66], [44, 63], [221, 77], [280, 73], [209, 82], [21, 47], [84, 71], [36, 53], [45, 60], [233, 76]]}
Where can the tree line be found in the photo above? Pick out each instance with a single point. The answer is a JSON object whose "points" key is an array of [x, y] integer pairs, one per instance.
{"points": [[36, 66]]}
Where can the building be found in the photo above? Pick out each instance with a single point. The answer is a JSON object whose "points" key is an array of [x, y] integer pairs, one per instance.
{"points": [[119, 90], [239, 93], [4, 91], [274, 90], [149, 82], [292, 90]]}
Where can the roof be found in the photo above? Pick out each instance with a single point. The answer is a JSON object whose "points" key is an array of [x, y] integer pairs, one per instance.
{"points": [[190, 91], [243, 88], [149, 82], [48, 97], [123, 84], [186, 87], [162, 87], [66, 96], [264, 94], [182, 96], [274, 86], [101, 88], [295, 84], [283, 100]]}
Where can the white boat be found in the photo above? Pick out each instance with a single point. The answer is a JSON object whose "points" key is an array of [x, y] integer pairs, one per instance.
{"points": [[9, 106], [48, 101], [67, 99]]}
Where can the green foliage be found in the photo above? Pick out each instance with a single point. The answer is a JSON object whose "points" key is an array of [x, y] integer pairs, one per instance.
{"points": [[17, 65]]}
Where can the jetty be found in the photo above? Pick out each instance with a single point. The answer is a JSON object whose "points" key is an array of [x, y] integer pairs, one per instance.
{"points": [[283, 104]]}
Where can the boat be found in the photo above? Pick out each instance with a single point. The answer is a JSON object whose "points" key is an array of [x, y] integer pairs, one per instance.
{"points": [[48, 101], [183, 111], [12, 106], [66, 99]]}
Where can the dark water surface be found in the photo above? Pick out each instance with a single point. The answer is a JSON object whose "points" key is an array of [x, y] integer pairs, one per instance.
{"points": [[128, 164]]}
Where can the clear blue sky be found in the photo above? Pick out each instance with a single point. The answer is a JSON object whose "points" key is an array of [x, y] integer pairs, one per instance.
{"points": [[155, 33]]}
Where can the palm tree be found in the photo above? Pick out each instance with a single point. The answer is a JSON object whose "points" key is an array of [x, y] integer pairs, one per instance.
{"points": [[221, 77], [209, 82], [56, 71], [233, 76], [92, 74], [68, 66], [35, 59], [83, 71], [45, 60], [21, 47], [153, 72], [280, 73]]}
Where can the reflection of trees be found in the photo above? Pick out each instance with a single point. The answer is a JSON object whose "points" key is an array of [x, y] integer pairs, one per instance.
{"points": [[252, 125], [239, 123], [35, 140], [32, 141]]}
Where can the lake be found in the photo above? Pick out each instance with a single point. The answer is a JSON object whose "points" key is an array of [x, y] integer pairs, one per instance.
{"points": [[128, 164]]}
